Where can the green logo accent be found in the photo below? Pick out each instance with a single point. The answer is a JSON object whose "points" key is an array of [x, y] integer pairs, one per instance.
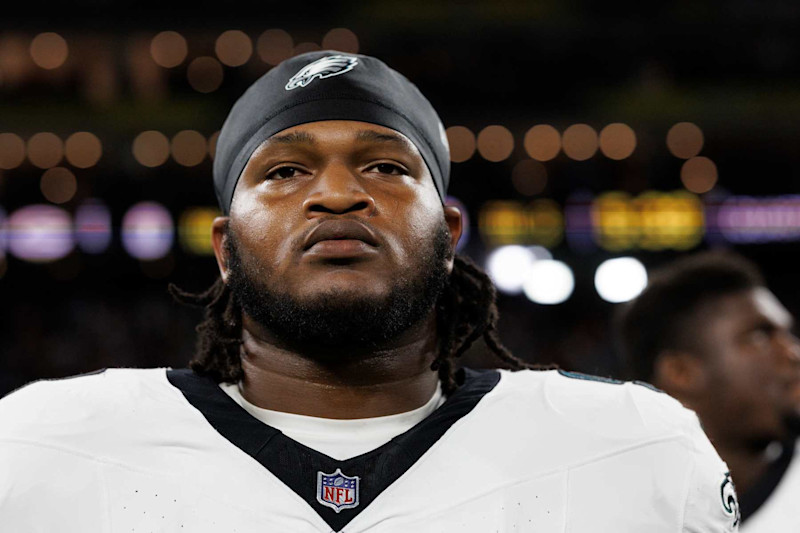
{"points": [[729, 502]]}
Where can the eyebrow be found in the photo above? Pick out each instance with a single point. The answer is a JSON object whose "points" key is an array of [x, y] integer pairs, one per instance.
{"points": [[374, 136], [295, 137]]}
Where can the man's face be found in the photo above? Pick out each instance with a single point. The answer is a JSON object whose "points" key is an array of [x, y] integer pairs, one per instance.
{"points": [[752, 361], [337, 211]]}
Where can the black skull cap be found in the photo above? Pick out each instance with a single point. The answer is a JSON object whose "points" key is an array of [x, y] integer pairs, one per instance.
{"points": [[327, 85]]}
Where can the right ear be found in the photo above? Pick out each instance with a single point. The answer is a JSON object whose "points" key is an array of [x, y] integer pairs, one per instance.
{"points": [[681, 374], [218, 237]]}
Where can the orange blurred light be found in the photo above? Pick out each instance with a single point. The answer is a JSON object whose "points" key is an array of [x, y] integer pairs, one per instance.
{"points": [[685, 140], [341, 39], [45, 150], [699, 174], [12, 151], [169, 49], [274, 46], [49, 50], [495, 143], [205, 74], [58, 185], [617, 141], [233, 48], [83, 149], [189, 148], [151, 148], [212, 144], [580, 142], [542, 142], [303, 48], [529, 177], [462, 143]]}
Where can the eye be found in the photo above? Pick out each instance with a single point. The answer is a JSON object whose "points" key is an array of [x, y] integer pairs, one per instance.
{"points": [[389, 168], [282, 173]]}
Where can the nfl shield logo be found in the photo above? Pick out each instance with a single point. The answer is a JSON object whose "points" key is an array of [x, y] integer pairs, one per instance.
{"points": [[337, 490]]}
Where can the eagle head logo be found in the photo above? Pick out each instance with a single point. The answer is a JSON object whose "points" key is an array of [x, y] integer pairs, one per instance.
{"points": [[322, 68]]}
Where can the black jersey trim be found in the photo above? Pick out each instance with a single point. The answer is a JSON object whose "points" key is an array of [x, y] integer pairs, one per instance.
{"points": [[752, 500], [297, 465]]}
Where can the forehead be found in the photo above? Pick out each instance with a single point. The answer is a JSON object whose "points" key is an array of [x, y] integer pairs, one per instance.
{"points": [[749, 307]]}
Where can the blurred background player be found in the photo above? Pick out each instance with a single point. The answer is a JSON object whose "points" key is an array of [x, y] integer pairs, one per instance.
{"points": [[709, 332]]}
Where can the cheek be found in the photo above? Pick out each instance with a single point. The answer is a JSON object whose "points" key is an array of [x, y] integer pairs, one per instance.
{"points": [[264, 236]]}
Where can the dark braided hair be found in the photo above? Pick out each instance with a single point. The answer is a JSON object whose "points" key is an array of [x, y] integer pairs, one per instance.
{"points": [[466, 311]]}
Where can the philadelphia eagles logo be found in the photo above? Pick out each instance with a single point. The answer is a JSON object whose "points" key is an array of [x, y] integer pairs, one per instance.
{"points": [[729, 502], [322, 68]]}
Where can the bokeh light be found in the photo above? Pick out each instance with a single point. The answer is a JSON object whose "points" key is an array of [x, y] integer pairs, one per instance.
{"points": [[194, 229], [93, 226], [549, 282], [58, 185], [579, 142], [699, 174], [45, 150], [303, 48], [274, 46], [542, 142], [169, 49], [40, 233], [83, 149], [508, 267], [147, 231], [529, 177], [233, 48], [49, 50], [617, 141], [621, 279], [151, 148], [495, 143], [189, 148], [341, 39], [12, 151], [462, 143], [685, 140], [205, 74], [3, 234], [212, 144]]}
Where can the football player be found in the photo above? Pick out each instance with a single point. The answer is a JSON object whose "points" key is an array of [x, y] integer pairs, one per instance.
{"points": [[709, 332], [324, 395]]}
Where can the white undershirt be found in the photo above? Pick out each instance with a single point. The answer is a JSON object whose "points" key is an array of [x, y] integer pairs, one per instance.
{"points": [[340, 439]]}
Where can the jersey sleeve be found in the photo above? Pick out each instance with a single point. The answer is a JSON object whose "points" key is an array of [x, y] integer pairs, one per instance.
{"points": [[711, 503]]}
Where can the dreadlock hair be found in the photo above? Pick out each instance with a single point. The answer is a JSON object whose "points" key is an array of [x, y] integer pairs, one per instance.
{"points": [[466, 310]]}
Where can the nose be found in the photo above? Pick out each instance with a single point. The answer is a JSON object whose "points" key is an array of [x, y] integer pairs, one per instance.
{"points": [[789, 346], [338, 190]]}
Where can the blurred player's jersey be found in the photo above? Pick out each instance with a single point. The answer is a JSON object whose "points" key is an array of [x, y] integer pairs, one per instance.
{"points": [[779, 497], [169, 451]]}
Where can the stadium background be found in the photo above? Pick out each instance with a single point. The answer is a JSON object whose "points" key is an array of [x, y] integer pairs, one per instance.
{"points": [[581, 132]]}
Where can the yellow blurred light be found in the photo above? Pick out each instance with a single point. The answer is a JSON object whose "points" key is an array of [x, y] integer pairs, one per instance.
{"points": [[49, 50], [194, 229], [615, 221], [58, 185], [205, 74], [189, 148], [151, 148], [529, 177], [83, 149], [699, 174], [617, 141], [274, 46], [234, 48], [169, 49], [542, 142], [303, 48], [495, 143], [212, 144], [505, 222], [579, 142], [341, 39], [12, 151], [462, 143], [685, 140], [45, 150]]}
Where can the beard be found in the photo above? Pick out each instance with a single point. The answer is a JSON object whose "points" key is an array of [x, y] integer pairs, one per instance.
{"points": [[338, 320]]}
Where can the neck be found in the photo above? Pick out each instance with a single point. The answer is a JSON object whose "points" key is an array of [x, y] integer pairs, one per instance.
{"points": [[748, 461], [386, 381]]}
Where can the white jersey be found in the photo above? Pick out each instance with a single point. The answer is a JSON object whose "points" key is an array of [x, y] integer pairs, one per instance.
{"points": [[778, 497], [540, 451]]}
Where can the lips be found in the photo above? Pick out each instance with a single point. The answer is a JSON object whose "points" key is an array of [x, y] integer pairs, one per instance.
{"points": [[340, 230]]}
